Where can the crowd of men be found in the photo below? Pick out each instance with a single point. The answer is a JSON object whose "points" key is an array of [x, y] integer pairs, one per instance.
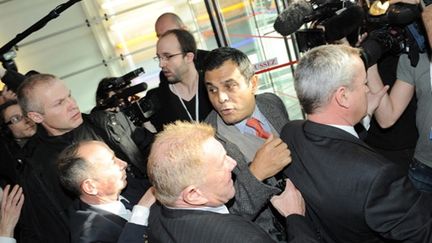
{"points": [[226, 164]]}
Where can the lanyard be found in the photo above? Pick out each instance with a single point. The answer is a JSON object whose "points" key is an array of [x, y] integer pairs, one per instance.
{"points": [[184, 106]]}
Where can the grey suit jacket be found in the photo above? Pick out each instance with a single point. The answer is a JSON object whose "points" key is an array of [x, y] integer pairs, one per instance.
{"points": [[352, 193], [252, 196]]}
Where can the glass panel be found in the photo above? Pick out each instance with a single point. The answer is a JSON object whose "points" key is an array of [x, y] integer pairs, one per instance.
{"points": [[250, 28], [130, 30]]}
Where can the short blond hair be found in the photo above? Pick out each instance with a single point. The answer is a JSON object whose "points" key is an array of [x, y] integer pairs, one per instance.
{"points": [[176, 159], [26, 98]]}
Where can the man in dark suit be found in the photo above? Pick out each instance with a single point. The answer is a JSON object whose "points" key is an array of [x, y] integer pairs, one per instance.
{"points": [[352, 193], [260, 154], [191, 174], [91, 171]]}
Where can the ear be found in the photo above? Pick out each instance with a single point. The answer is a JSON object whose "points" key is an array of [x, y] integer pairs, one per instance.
{"points": [[254, 82], [35, 116], [88, 186], [193, 196], [342, 97], [190, 56]]}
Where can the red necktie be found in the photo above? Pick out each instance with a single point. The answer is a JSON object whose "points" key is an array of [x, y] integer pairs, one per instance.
{"points": [[259, 130]]}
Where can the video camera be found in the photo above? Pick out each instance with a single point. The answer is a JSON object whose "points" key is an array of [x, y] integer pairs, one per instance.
{"points": [[393, 29], [116, 93]]}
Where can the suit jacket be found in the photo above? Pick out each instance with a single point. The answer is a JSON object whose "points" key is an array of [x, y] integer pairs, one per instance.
{"points": [[90, 224], [252, 196], [180, 225], [352, 193]]}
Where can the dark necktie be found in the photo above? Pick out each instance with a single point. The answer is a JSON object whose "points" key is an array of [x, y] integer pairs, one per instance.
{"points": [[259, 130], [126, 203]]}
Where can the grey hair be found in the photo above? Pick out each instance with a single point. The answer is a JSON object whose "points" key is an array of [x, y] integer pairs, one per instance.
{"points": [[321, 71]]}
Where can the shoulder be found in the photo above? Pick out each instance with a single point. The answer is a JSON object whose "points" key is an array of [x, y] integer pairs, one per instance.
{"points": [[268, 97], [271, 103]]}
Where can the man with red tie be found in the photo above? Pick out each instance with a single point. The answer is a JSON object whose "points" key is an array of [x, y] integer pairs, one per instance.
{"points": [[248, 126]]}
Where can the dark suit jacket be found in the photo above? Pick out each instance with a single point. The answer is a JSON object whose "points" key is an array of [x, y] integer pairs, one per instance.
{"points": [[352, 193], [189, 226], [90, 224], [252, 196]]}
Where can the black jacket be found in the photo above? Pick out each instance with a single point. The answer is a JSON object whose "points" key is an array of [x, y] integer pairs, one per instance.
{"points": [[46, 201]]}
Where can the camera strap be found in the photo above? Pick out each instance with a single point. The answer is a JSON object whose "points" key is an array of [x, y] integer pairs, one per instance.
{"points": [[196, 102]]}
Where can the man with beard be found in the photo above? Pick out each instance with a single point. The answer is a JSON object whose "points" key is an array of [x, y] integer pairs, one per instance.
{"points": [[183, 95], [170, 21]]}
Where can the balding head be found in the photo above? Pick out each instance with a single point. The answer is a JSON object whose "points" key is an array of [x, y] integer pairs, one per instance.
{"points": [[168, 21]]}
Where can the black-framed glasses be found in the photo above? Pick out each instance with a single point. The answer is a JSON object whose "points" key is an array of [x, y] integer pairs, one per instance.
{"points": [[15, 119], [166, 57]]}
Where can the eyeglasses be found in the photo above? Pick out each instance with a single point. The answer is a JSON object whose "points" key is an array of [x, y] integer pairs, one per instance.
{"points": [[166, 58], [15, 119]]}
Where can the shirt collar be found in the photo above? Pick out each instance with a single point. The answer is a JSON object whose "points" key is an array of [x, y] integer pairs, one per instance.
{"points": [[221, 209], [256, 114], [115, 207], [348, 129]]}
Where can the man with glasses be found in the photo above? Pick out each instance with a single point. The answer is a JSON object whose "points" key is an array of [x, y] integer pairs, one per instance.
{"points": [[182, 96], [170, 21], [16, 130]]}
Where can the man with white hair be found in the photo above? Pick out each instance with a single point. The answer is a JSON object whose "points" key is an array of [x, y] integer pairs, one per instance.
{"points": [[353, 194]]}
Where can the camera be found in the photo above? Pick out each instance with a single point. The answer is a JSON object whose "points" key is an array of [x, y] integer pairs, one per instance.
{"points": [[391, 29], [115, 94]]}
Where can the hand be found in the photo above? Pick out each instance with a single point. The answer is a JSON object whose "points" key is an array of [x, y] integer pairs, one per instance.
{"points": [[374, 99], [290, 201], [148, 198], [11, 205], [360, 39], [271, 158], [8, 94]]}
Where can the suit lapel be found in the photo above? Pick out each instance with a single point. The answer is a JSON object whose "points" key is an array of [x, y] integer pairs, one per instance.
{"points": [[110, 216], [270, 112]]}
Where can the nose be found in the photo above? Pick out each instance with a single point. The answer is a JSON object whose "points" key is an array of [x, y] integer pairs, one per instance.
{"points": [[27, 120], [122, 165], [71, 103], [162, 63], [222, 96], [232, 163], [367, 90]]}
